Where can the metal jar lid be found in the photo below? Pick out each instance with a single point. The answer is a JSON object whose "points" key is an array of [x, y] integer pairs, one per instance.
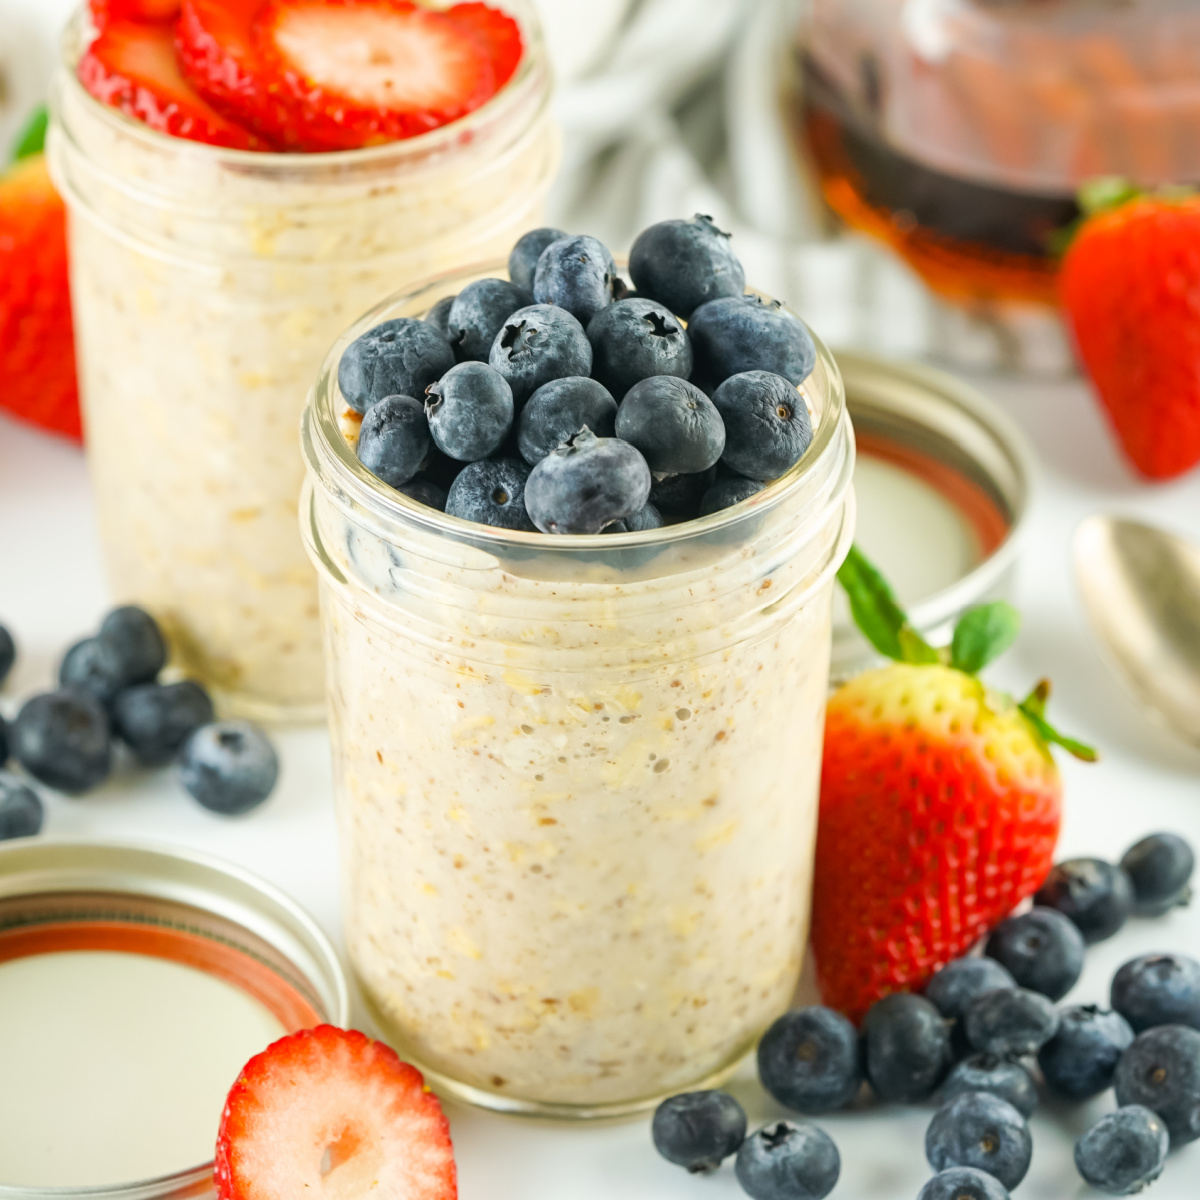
{"points": [[950, 441]]}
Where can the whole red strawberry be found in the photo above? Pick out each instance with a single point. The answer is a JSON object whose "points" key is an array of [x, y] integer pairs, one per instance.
{"points": [[1130, 285], [940, 803]]}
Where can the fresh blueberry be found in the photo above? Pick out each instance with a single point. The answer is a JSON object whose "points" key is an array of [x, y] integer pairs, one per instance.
{"points": [[63, 739], [995, 1075], [1158, 989], [478, 313], [1010, 1021], [786, 1161], [673, 423], [136, 640], [963, 1183], [393, 439], [425, 491], [398, 358], [3, 741], [538, 344], [1042, 950], [977, 1129], [492, 492], [741, 333], [960, 981], [560, 409], [586, 485], [1124, 1151], [522, 262], [810, 1061], [8, 653], [767, 427], [907, 1047], [698, 1130], [1159, 866], [229, 767], [91, 666], [727, 492], [634, 339], [470, 411], [680, 495], [575, 273], [439, 315], [684, 264], [21, 812], [1079, 1060], [646, 517], [155, 719], [1096, 895], [1162, 1071]]}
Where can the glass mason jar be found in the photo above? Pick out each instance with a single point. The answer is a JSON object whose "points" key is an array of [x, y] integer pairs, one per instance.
{"points": [[207, 284], [576, 777]]}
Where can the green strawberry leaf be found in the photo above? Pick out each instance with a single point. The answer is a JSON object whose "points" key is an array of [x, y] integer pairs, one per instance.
{"points": [[33, 137], [1104, 194], [878, 614], [1034, 708], [983, 634]]}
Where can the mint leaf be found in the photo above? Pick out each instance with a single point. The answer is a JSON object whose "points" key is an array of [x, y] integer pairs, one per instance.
{"points": [[983, 634], [33, 137], [878, 614]]}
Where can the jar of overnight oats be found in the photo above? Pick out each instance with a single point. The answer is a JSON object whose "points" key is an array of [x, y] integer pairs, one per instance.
{"points": [[207, 284], [576, 777]]}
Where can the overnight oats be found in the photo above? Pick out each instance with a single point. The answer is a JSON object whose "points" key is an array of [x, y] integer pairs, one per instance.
{"points": [[219, 243], [576, 771]]}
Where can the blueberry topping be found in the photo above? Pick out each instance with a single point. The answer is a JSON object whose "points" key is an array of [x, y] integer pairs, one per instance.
{"points": [[742, 333], [522, 262], [767, 427], [425, 491], [398, 358], [680, 495], [1159, 867], [960, 981], [995, 1075], [439, 315], [63, 739], [698, 1130], [809, 1060], [470, 411], [8, 653], [155, 719], [393, 439], [1124, 1151], [1042, 950], [558, 410], [684, 264], [478, 313], [1161, 1070], [963, 1183], [786, 1161], [586, 485], [538, 344], [491, 492], [21, 812], [673, 424], [91, 666], [907, 1047], [1158, 989], [1010, 1021], [229, 767], [1079, 1060], [727, 492], [646, 517], [982, 1131], [1095, 895], [575, 273], [634, 339]]}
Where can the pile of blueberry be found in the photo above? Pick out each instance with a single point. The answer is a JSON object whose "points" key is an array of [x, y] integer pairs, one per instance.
{"points": [[109, 693], [558, 400], [966, 1043]]}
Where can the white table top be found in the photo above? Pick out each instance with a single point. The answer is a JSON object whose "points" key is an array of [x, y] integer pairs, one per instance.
{"points": [[52, 591]]}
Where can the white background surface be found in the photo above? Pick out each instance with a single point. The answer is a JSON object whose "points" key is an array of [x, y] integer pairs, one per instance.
{"points": [[51, 591]]}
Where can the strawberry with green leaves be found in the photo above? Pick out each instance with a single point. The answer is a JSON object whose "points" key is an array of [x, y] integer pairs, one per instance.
{"points": [[940, 801]]}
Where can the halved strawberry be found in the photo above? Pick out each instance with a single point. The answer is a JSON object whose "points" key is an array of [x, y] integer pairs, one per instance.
{"points": [[131, 66], [158, 12], [329, 1112], [497, 32]]}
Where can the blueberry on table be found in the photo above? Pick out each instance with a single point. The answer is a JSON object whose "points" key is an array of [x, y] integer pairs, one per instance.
{"points": [[1161, 1071], [230, 767], [1124, 1151], [1042, 950], [680, 495], [960, 981], [155, 719], [3, 741], [575, 273], [439, 316], [470, 411], [586, 485], [787, 1161], [558, 410], [725, 493], [8, 653], [63, 739], [963, 1183], [91, 666], [135, 639], [684, 264], [767, 426], [425, 491], [1158, 989], [995, 1075], [1079, 1060], [401, 357], [673, 423], [393, 439], [646, 517], [1160, 868], [477, 314], [492, 492], [1010, 1021], [523, 259], [634, 339], [982, 1131], [538, 344], [1096, 895], [698, 1130], [21, 812], [907, 1047], [741, 333], [810, 1060]]}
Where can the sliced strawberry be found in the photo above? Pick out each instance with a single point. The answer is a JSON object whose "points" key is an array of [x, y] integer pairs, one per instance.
{"points": [[497, 32], [131, 66], [156, 12], [328, 1112]]}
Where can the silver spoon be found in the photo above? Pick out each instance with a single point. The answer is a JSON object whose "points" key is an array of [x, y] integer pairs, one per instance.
{"points": [[1141, 588]]}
